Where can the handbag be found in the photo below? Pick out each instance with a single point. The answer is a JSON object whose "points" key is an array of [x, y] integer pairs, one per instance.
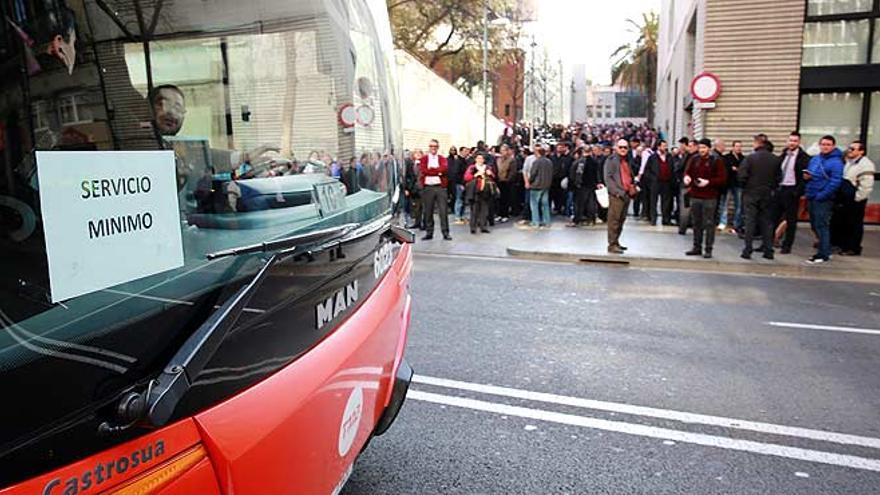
{"points": [[602, 197]]}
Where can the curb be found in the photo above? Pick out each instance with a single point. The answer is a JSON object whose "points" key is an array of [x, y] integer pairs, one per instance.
{"points": [[700, 265]]}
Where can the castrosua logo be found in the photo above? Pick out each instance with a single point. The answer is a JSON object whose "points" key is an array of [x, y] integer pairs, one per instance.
{"points": [[90, 480]]}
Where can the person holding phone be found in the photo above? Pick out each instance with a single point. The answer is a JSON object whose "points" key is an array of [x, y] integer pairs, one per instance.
{"points": [[823, 177], [705, 175]]}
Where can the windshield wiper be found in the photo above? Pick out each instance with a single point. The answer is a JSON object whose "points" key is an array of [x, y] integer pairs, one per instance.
{"points": [[156, 404], [287, 243]]}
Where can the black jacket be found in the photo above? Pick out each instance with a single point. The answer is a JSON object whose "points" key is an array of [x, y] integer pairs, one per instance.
{"points": [[800, 164], [732, 161], [652, 169], [584, 174], [760, 173]]}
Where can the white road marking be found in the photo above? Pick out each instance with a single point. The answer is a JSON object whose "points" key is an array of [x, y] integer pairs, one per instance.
{"points": [[684, 417], [829, 328], [769, 449]]}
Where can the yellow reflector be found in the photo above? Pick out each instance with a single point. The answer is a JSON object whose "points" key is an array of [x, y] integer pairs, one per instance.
{"points": [[157, 478]]}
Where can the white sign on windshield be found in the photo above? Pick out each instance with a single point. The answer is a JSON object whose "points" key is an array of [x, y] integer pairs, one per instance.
{"points": [[109, 217]]}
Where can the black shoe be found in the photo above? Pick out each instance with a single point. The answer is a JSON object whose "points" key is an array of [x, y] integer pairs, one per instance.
{"points": [[707, 255], [850, 253], [428, 237], [447, 237], [473, 231], [622, 247], [768, 255], [746, 255], [615, 250], [485, 231], [785, 250], [682, 232], [694, 252]]}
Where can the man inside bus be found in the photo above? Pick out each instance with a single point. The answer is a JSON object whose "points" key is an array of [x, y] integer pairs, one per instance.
{"points": [[169, 111]]}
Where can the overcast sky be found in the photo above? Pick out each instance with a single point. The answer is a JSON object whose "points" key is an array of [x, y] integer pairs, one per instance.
{"points": [[588, 31]]}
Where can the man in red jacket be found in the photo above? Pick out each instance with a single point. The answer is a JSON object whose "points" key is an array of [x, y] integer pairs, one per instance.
{"points": [[705, 176], [434, 181]]}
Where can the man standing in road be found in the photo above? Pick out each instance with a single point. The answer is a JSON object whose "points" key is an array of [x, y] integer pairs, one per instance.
{"points": [[621, 189], [823, 177], [791, 187], [540, 181], [705, 176], [434, 169], [759, 174]]}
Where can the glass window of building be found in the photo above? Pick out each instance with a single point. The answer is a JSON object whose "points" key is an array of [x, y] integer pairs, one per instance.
{"points": [[837, 114], [830, 7], [874, 130], [835, 43], [875, 56]]}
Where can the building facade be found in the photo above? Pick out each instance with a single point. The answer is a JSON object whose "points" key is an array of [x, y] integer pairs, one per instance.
{"points": [[810, 65], [612, 104]]}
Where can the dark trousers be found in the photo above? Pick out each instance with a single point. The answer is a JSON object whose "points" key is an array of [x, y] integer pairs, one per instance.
{"points": [[617, 208], [416, 212], [757, 209], [787, 203], [557, 198], [584, 205], [660, 192], [479, 212], [703, 213], [506, 199], [848, 226], [640, 202], [434, 197], [527, 205]]}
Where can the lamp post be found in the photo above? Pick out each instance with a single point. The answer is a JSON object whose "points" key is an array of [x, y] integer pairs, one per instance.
{"points": [[485, 70], [498, 21]]}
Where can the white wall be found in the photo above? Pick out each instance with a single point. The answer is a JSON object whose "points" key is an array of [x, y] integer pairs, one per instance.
{"points": [[431, 108], [679, 58]]}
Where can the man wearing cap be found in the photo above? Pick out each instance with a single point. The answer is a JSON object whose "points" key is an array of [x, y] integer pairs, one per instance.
{"points": [[705, 175], [619, 182]]}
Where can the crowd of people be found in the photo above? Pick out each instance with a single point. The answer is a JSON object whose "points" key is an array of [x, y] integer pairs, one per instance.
{"points": [[590, 174]]}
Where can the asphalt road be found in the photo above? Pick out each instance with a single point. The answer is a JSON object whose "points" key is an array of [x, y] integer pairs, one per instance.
{"points": [[648, 381]]}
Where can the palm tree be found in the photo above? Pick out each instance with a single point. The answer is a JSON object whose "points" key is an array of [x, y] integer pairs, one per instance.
{"points": [[635, 64]]}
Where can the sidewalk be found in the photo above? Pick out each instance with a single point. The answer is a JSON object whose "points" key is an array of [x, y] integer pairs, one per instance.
{"points": [[654, 247]]}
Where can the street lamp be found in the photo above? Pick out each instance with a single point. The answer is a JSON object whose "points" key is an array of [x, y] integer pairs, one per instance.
{"points": [[497, 21]]}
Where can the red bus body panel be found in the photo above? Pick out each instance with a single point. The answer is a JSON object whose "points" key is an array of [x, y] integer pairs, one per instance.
{"points": [[283, 434]]}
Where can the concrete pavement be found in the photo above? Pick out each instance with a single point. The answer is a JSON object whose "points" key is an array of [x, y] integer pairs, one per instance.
{"points": [[655, 247]]}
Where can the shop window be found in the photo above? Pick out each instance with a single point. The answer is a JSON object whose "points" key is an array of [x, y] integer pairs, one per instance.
{"points": [[874, 132], [837, 114], [835, 43], [830, 7]]}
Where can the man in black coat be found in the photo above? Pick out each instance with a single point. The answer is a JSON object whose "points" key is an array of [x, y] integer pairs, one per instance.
{"points": [[659, 179], [793, 161], [759, 175]]}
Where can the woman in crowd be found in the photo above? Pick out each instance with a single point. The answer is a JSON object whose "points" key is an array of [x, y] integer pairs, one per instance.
{"points": [[480, 180]]}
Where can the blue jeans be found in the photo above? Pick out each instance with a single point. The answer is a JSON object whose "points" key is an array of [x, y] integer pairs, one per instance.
{"points": [[539, 200], [820, 220], [736, 195], [459, 202]]}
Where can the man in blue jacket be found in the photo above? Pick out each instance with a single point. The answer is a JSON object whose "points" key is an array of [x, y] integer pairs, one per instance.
{"points": [[823, 177]]}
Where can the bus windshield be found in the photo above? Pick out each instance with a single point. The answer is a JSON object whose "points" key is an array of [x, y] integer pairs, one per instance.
{"points": [[185, 128]]}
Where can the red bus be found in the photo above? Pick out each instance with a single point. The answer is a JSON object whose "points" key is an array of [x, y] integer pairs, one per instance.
{"points": [[202, 285]]}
